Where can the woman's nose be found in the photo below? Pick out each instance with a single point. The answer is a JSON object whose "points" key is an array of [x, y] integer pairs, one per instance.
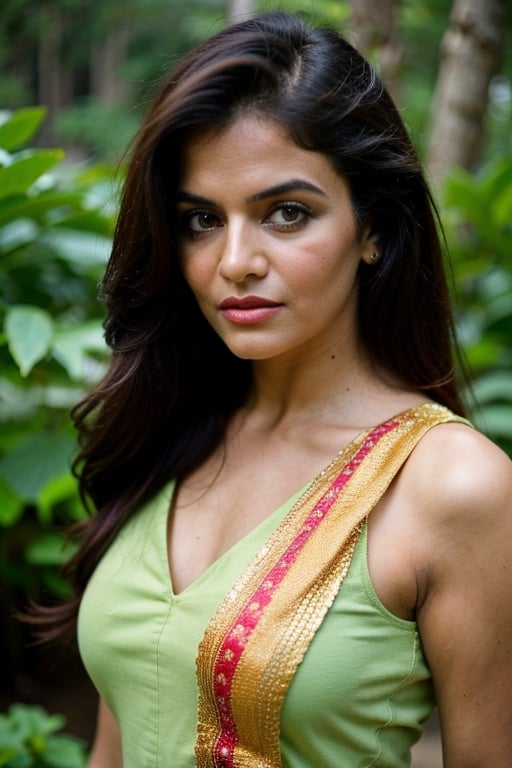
{"points": [[242, 254]]}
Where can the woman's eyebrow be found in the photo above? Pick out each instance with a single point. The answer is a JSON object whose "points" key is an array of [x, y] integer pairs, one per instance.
{"points": [[183, 196], [287, 186]]}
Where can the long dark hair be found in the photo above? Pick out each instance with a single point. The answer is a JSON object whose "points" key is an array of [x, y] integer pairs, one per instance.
{"points": [[172, 385]]}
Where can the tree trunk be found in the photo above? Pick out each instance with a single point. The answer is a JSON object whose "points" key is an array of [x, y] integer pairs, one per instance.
{"points": [[375, 35], [471, 53], [106, 59], [54, 83], [238, 10]]}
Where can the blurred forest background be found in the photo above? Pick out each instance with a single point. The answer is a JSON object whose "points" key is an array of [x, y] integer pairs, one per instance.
{"points": [[75, 78]]}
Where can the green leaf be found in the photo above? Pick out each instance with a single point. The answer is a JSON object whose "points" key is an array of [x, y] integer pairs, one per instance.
{"points": [[49, 549], [34, 720], [93, 222], [17, 178], [8, 751], [64, 752], [482, 355], [21, 126], [29, 739], [502, 209], [29, 333], [17, 402], [11, 506], [16, 234], [37, 745], [70, 347], [496, 385], [494, 420], [22, 207], [35, 462], [57, 490], [82, 250]]}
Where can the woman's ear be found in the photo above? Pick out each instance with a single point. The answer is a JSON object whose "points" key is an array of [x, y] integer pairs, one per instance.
{"points": [[371, 252]]}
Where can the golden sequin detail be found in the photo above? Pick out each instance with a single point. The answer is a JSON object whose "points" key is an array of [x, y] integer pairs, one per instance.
{"points": [[261, 631]]}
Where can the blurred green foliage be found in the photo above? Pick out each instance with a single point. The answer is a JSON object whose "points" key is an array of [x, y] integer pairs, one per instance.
{"points": [[477, 212], [54, 240], [151, 35], [60, 39], [29, 738]]}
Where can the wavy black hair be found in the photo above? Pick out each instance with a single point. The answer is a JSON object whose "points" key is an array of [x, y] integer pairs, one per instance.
{"points": [[172, 384]]}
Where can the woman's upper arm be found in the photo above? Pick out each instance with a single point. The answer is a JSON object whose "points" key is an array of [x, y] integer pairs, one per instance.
{"points": [[465, 620], [106, 750]]}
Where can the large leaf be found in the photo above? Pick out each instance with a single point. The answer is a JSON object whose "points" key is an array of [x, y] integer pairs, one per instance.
{"points": [[93, 222], [502, 209], [49, 549], [20, 402], [11, 506], [31, 721], [81, 249], [71, 345], [35, 462], [17, 178], [65, 752], [21, 126], [494, 386], [29, 333], [494, 420], [22, 207], [57, 490], [17, 234]]}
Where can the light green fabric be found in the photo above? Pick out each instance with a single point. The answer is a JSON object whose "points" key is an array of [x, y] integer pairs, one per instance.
{"points": [[356, 700]]}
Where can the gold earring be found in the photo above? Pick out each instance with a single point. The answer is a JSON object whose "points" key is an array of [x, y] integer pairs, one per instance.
{"points": [[372, 258]]}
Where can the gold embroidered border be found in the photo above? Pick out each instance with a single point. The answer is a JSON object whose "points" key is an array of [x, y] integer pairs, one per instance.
{"points": [[279, 640]]}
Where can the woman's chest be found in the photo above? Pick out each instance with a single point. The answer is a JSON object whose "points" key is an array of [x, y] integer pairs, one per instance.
{"points": [[228, 498]]}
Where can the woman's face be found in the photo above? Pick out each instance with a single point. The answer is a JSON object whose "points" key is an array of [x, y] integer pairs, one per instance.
{"points": [[268, 241]]}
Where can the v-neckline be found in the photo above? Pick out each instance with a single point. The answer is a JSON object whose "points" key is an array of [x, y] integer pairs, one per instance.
{"points": [[267, 521], [280, 513]]}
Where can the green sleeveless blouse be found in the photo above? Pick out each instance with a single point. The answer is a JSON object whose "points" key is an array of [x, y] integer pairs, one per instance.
{"points": [[357, 700]]}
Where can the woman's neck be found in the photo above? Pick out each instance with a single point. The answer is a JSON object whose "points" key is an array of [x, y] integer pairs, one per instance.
{"points": [[332, 387]]}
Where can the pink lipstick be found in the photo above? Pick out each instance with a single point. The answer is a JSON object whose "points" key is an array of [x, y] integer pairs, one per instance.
{"points": [[248, 310]]}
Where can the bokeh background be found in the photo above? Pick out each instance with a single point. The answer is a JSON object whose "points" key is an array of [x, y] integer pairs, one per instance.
{"points": [[75, 78]]}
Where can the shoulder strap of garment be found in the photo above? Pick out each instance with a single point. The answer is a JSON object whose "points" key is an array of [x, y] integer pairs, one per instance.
{"points": [[262, 629]]}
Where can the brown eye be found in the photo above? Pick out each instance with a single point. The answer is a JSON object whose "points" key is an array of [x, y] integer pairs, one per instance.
{"points": [[290, 213], [288, 216], [202, 221]]}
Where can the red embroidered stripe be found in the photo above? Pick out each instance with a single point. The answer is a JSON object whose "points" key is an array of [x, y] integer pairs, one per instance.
{"points": [[233, 646]]}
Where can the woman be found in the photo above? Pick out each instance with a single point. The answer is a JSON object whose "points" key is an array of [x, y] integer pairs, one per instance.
{"points": [[276, 298]]}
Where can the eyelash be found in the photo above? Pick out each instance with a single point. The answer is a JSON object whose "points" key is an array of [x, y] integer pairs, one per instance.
{"points": [[299, 208], [304, 210], [186, 222]]}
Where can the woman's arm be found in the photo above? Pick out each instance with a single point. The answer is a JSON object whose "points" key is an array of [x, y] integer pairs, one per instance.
{"points": [[465, 614], [106, 750]]}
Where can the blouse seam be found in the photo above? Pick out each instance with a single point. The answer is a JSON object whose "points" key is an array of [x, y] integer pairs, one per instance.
{"points": [[157, 676], [162, 523], [405, 625], [390, 702], [364, 570]]}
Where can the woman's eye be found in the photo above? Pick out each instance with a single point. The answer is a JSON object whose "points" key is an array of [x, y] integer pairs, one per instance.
{"points": [[288, 216], [197, 222]]}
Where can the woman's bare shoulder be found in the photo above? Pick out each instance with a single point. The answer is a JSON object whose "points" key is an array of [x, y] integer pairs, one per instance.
{"points": [[457, 471], [462, 486]]}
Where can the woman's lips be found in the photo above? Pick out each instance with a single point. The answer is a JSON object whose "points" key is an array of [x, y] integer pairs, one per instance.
{"points": [[248, 310]]}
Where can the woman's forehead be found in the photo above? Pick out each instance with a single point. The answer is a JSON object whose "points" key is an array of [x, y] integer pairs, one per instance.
{"points": [[252, 149]]}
